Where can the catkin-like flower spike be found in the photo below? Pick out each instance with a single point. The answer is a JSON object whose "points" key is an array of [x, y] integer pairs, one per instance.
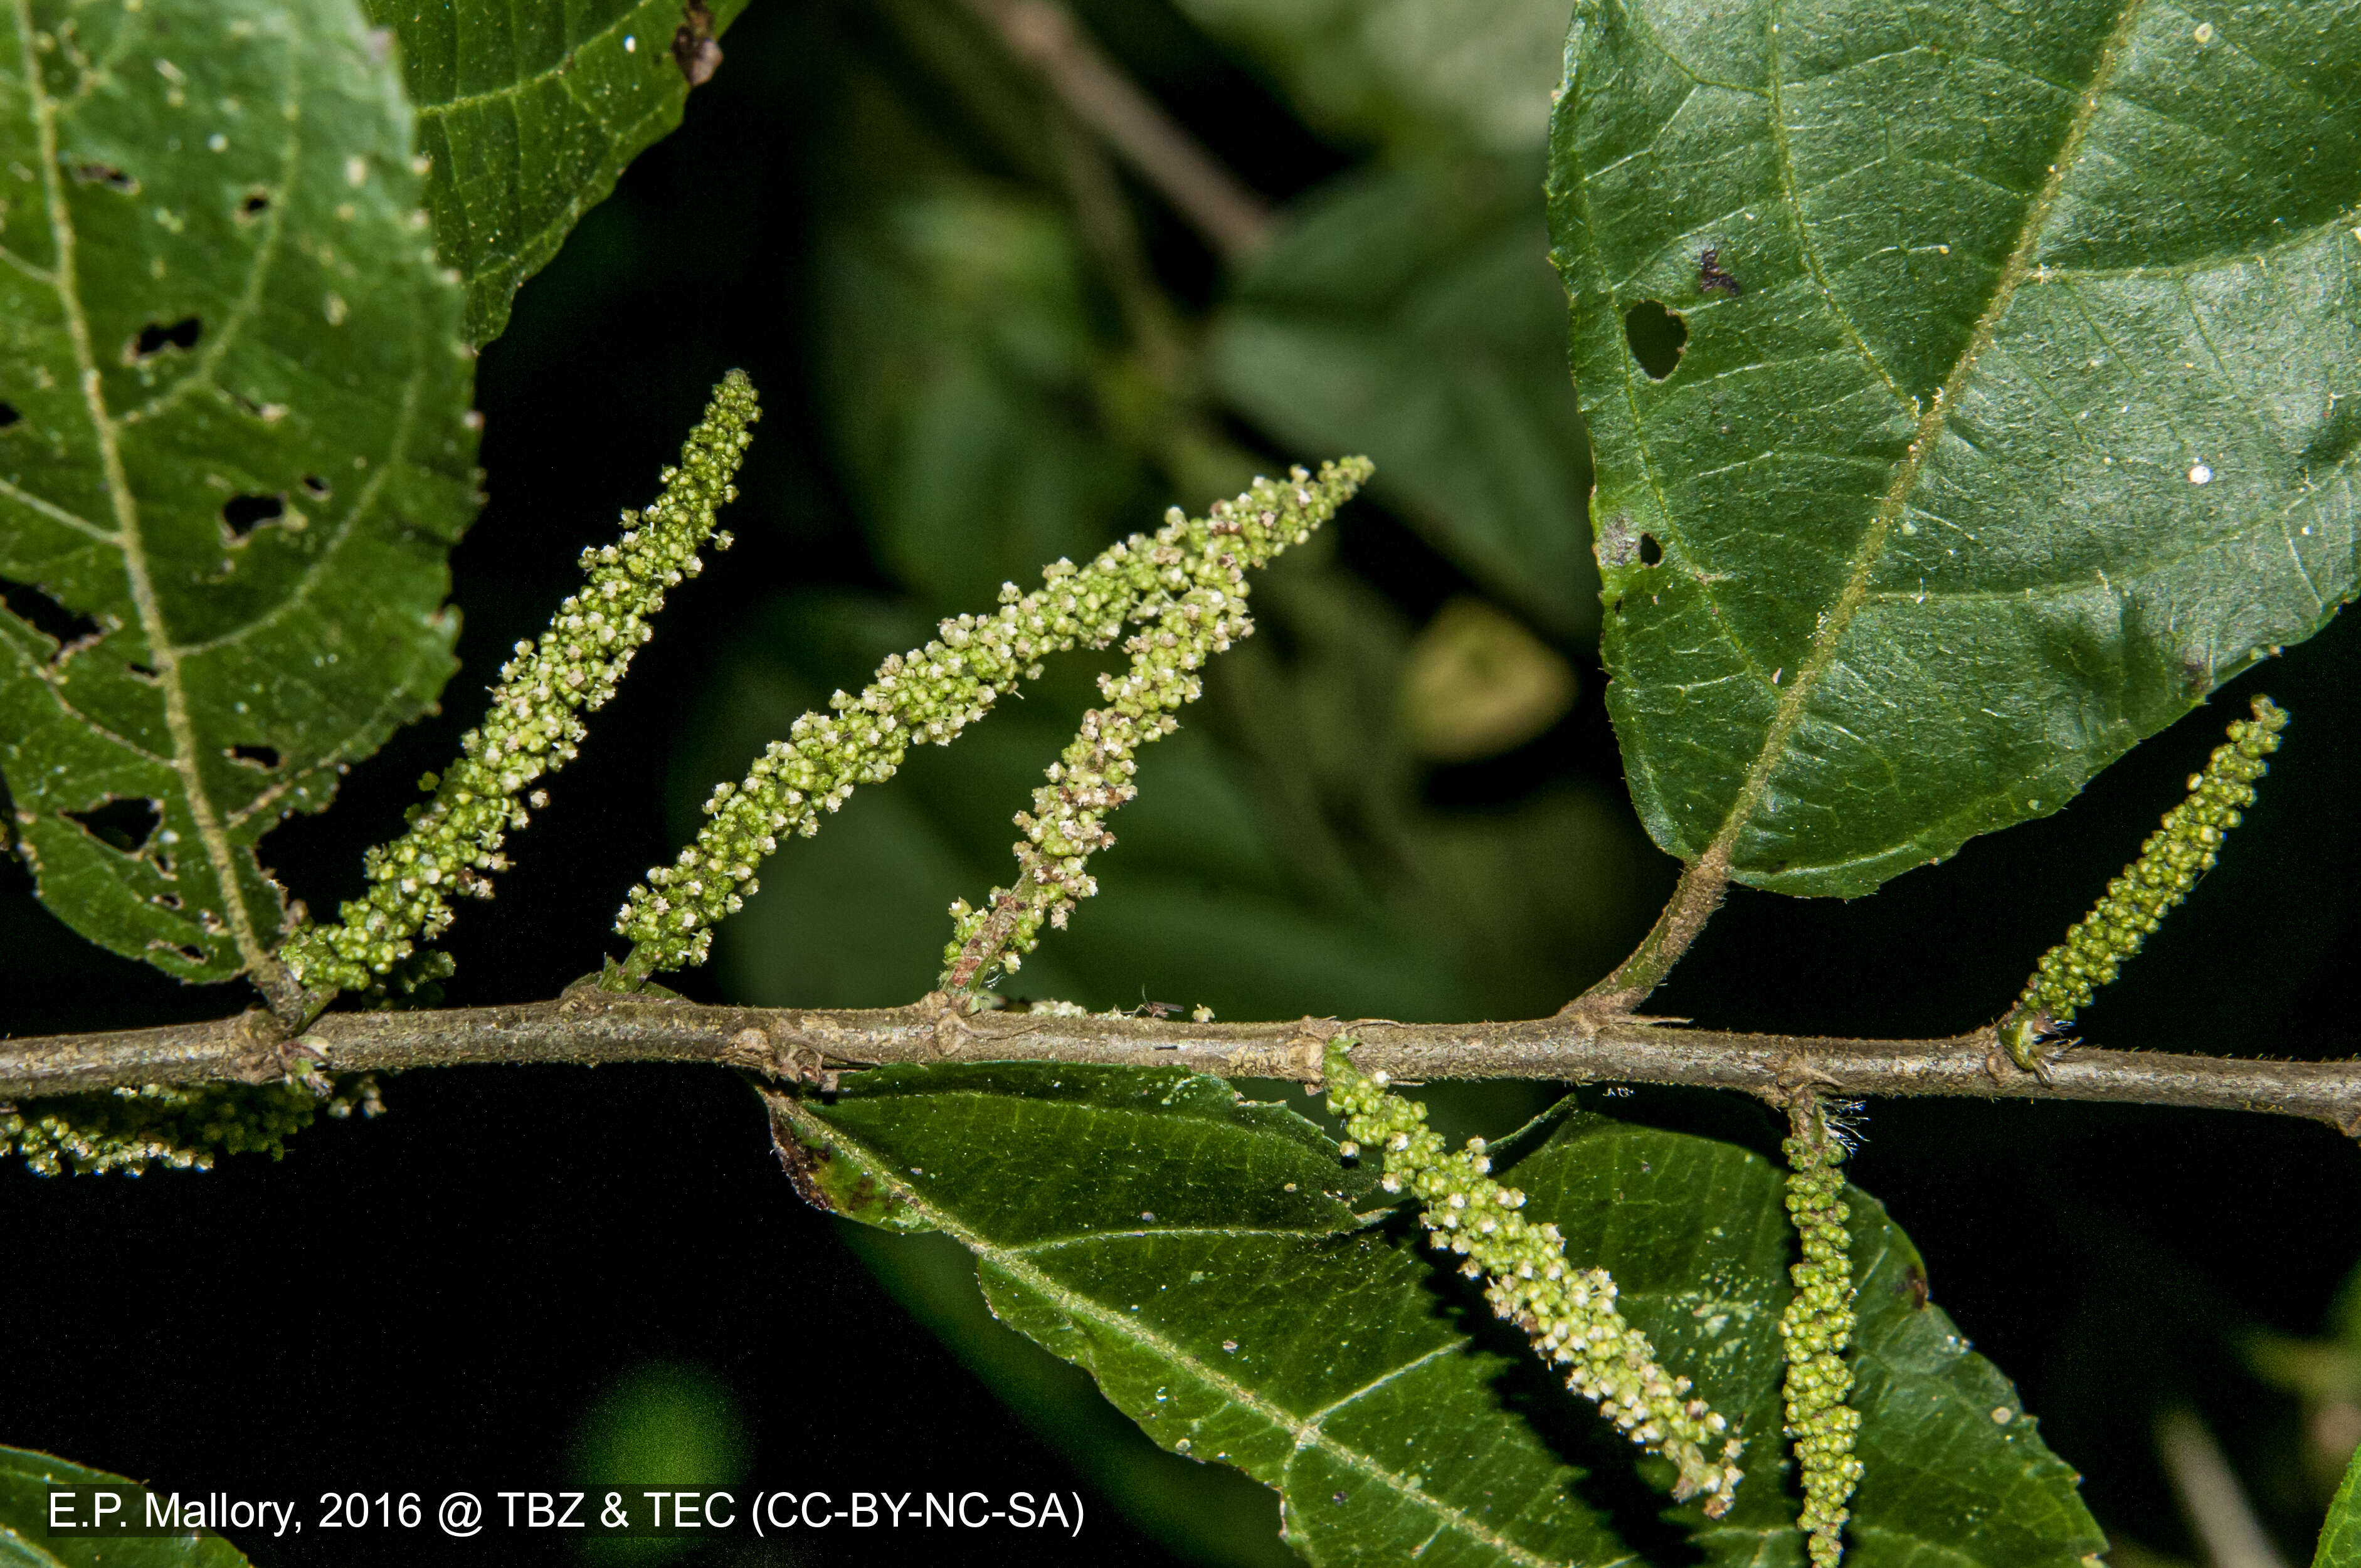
{"points": [[1200, 612], [2170, 863], [1817, 1328], [1569, 1313], [180, 1128], [933, 693], [535, 728]]}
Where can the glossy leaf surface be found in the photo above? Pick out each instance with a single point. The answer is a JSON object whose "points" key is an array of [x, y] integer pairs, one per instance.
{"points": [[2013, 408], [233, 456], [531, 110], [26, 1542], [1140, 1224]]}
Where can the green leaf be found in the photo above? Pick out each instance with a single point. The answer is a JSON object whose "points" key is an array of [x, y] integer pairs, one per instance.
{"points": [[1138, 1222], [1695, 1234], [2016, 413], [1408, 314], [25, 1542], [2339, 1538], [960, 365], [531, 110], [236, 456], [1201, 1257]]}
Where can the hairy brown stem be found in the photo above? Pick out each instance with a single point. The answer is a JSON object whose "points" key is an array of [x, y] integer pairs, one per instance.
{"points": [[591, 1026], [1045, 36], [1702, 886]]}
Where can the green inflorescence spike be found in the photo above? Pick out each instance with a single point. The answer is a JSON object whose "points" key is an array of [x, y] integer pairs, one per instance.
{"points": [[1569, 1313], [933, 693], [1816, 1329], [2170, 863], [535, 725], [1199, 610], [178, 1129]]}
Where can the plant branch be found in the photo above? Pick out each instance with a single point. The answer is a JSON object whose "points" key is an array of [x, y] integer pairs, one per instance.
{"points": [[1045, 36], [591, 1027], [1703, 885]]}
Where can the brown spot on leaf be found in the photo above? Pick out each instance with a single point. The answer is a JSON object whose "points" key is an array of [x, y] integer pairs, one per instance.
{"points": [[801, 1161]]}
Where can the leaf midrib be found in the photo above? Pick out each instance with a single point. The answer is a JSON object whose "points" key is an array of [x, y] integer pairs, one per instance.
{"points": [[1789, 710], [165, 656], [1306, 1431]]}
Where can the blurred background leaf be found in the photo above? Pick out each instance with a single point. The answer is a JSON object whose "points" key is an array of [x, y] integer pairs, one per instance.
{"points": [[1408, 312], [1413, 76], [660, 1423]]}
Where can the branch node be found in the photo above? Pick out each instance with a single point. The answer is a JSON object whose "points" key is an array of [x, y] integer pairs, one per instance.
{"points": [[946, 1025]]}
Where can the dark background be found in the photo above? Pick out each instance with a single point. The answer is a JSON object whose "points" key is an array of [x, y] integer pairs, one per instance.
{"points": [[520, 1277]]}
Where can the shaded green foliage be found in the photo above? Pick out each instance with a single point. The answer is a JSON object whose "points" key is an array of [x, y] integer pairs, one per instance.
{"points": [[1411, 311], [1214, 1264]]}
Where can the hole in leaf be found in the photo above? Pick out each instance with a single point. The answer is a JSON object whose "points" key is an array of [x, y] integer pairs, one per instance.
{"points": [[167, 900], [1656, 335], [316, 487], [104, 174], [141, 672], [243, 514], [8, 415], [155, 338], [263, 757], [1650, 551], [193, 954], [127, 824], [47, 616], [256, 202]]}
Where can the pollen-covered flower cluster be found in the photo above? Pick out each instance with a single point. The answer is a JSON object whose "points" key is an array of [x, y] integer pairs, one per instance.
{"points": [[535, 728], [934, 693], [2136, 901], [1199, 610], [127, 1130], [1569, 1313], [1817, 1328]]}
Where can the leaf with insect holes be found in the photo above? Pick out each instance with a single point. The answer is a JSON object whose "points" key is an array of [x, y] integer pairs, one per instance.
{"points": [[531, 110], [1973, 389], [27, 1541], [235, 450]]}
